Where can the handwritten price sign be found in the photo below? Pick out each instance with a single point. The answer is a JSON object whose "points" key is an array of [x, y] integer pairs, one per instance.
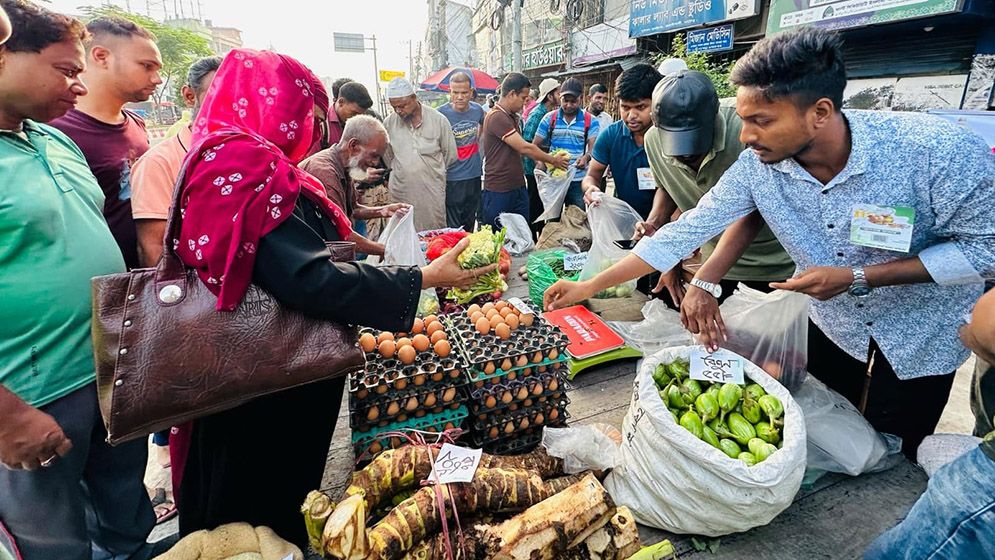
{"points": [[455, 464], [721, 367], [574, 261]]}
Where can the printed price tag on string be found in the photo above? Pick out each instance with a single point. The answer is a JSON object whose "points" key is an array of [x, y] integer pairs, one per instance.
{"points": [[520, 305], [455, 464], [721, 367], [574, 261]]}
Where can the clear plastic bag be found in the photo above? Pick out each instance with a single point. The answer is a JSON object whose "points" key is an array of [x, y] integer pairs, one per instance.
{"points": [[592, 447], [771, 330], [839, 438], [611, 220], [518, 239], [660, 328], [553, 191], [403, 248]]}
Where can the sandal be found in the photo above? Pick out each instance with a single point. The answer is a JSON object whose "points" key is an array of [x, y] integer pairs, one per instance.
{"points": [[165, 511]]}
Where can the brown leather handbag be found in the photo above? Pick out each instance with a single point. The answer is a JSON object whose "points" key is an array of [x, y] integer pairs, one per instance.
{"points": [[164, 355]]}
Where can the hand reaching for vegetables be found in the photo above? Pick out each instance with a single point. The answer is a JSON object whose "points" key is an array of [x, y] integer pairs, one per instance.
{"points": [[565, 293], [445, 271]]}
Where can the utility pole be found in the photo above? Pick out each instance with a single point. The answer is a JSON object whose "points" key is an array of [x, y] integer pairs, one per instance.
{"points": [[516, 35], [376, 72], [411, 64]]}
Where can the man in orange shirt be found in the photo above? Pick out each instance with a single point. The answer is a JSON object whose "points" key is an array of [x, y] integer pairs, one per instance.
{"points": [[154, 174]]}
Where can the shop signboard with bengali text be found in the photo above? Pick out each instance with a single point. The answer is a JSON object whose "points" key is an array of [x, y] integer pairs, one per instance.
{"points": [[712, 39], [846, 14], [650, 17]]}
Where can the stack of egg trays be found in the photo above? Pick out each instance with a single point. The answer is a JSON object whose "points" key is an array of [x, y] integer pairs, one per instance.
{"points": [[529, 348], [512, 390], [501, 429], [366, 445], [384, 391]]}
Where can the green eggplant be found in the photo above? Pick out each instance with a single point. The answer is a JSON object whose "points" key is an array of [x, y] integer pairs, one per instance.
{"points": [[768, 433], [690, 390], [747, 458], [763, 451], [741, 429], [729, 396], [721, 428], [679, 369], [675, 398], [771, 407], [730, 448], [692, 423], [661, 377], [713, 389], [754, 391], [751, 410], [754, 444], [707, 407], [708, 436]]}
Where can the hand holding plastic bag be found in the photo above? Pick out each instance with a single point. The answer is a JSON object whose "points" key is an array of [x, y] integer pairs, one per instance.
{"points": [[611, 220], [553, 191]]}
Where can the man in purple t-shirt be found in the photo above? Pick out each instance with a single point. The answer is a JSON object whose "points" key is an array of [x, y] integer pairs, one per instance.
{"points": [[122, 66]]}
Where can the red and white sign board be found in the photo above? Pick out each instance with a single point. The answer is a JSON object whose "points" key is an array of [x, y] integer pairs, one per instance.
{"points": [[588, 334]]}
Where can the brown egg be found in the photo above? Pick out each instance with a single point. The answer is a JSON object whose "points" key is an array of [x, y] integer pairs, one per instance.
{"points": [[437, 336], [493, 432], [502, 330], [537, 389], [492, 314], [522, 393], [373, 413], [524, 424], [472, 309], [449, 395], [400, 383], [387, 348], [507, 311], [403, 341], [367, 342], [487, 307], [430, 399], [499, 305], [539, 419], [393, 408], [476, 316], [490, 401], [442, 348], [376, 447], [554, 384], [509, 427], [483, 325], [421, 342], [512, 320], [512, 376], [506, 365], [411, 404], [418, 326], [553, 354], [522, 361], [385, 336], [433, 328], [527, 319], [506, 396], [554, 414], [489, 368], [429, 319], [407, 355]]}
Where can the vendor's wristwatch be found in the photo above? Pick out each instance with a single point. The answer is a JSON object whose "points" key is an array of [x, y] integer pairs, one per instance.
{"points": [[860, 288], [709, 287]]}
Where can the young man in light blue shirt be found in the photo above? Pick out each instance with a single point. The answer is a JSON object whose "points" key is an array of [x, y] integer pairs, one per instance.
{"points": [[888, 217], [573, 129]]}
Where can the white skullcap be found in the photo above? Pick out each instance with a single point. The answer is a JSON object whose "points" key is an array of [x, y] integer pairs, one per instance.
{"points": [[399, 87], [671, 65]]}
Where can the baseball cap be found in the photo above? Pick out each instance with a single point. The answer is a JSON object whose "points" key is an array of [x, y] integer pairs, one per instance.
{"points": [[547, 85], [685, 106], [572, 86]]}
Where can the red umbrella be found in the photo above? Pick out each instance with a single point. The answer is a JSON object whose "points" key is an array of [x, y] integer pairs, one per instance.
{"points": [[479, 80]]}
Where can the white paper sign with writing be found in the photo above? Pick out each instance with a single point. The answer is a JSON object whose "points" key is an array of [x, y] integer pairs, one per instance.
{"points": [[574, 261], [455, 464], [520, 305], [721, 367]]}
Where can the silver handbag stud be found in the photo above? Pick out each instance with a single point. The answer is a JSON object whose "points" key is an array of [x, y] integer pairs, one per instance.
{"points": [[170, 293]]}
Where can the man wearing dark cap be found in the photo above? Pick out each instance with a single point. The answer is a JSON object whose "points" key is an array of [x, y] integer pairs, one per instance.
{"points": [[692, 143], [572, 129]]}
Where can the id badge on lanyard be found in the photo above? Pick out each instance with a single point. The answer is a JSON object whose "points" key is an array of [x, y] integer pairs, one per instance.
{"points": [[645, 177]]}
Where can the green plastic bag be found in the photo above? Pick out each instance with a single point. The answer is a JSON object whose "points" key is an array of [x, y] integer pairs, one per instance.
{"points": [[544, 269]]}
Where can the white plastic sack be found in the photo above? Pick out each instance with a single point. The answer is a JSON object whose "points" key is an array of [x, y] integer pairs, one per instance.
{"points": [[611, 220], [839, 438], [673, 481], [402, 248], [552, 192], [582, 448], [771, 330], [518, 239], [660, 328]]}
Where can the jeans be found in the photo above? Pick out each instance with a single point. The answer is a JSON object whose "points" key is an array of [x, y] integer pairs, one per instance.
{"points": [[90, 504], [496, 203], [954, 518], [462, 203], [575, 196]]}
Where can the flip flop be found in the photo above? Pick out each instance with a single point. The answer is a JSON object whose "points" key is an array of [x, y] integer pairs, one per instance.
{"points": [[165, 511]]}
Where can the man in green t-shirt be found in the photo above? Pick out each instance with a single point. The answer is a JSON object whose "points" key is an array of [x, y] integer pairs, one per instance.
{"points": [[692, 143], [64, 492]]}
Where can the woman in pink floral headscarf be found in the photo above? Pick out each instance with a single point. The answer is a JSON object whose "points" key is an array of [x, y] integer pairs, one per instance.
{"points": [[251, 216]]}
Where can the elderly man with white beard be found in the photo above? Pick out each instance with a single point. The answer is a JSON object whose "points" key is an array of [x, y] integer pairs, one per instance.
{"points": [[354, 160]]}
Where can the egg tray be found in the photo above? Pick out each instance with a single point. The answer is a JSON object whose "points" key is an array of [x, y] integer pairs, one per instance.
{"points": [[478, 376], [385, 374], [434, 423], [401, 405], [483, 423], [479, 348], [515, 444], [519, 392]]}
